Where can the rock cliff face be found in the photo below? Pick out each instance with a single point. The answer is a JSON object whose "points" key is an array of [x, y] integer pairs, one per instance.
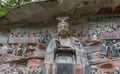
{"points": [[37, 12]]}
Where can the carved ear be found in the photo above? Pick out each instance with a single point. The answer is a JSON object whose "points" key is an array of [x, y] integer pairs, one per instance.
{"points": [[76, 41]]}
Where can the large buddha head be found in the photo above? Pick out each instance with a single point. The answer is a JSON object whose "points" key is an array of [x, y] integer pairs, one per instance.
{"points": [[63, 28]]}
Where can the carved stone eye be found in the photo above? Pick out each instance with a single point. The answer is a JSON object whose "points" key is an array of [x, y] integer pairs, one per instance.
{"points": [[76, 42], [12, 64]]}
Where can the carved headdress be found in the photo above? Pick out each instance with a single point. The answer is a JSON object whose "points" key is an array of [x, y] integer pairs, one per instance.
{"points": [[62, 20]]}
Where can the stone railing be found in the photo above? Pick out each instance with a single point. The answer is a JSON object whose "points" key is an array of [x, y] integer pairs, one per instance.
{"points": [[22, 40], [4, 40], [111, 35]]}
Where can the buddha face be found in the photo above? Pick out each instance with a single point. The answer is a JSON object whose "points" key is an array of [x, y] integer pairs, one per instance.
{"points": [[63, 30]]}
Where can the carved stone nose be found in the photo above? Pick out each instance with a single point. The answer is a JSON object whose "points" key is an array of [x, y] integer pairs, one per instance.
{"points": [[62, 28]]}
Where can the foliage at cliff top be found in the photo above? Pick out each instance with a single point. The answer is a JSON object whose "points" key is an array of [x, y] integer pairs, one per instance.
{"points": [[8, 5]]}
